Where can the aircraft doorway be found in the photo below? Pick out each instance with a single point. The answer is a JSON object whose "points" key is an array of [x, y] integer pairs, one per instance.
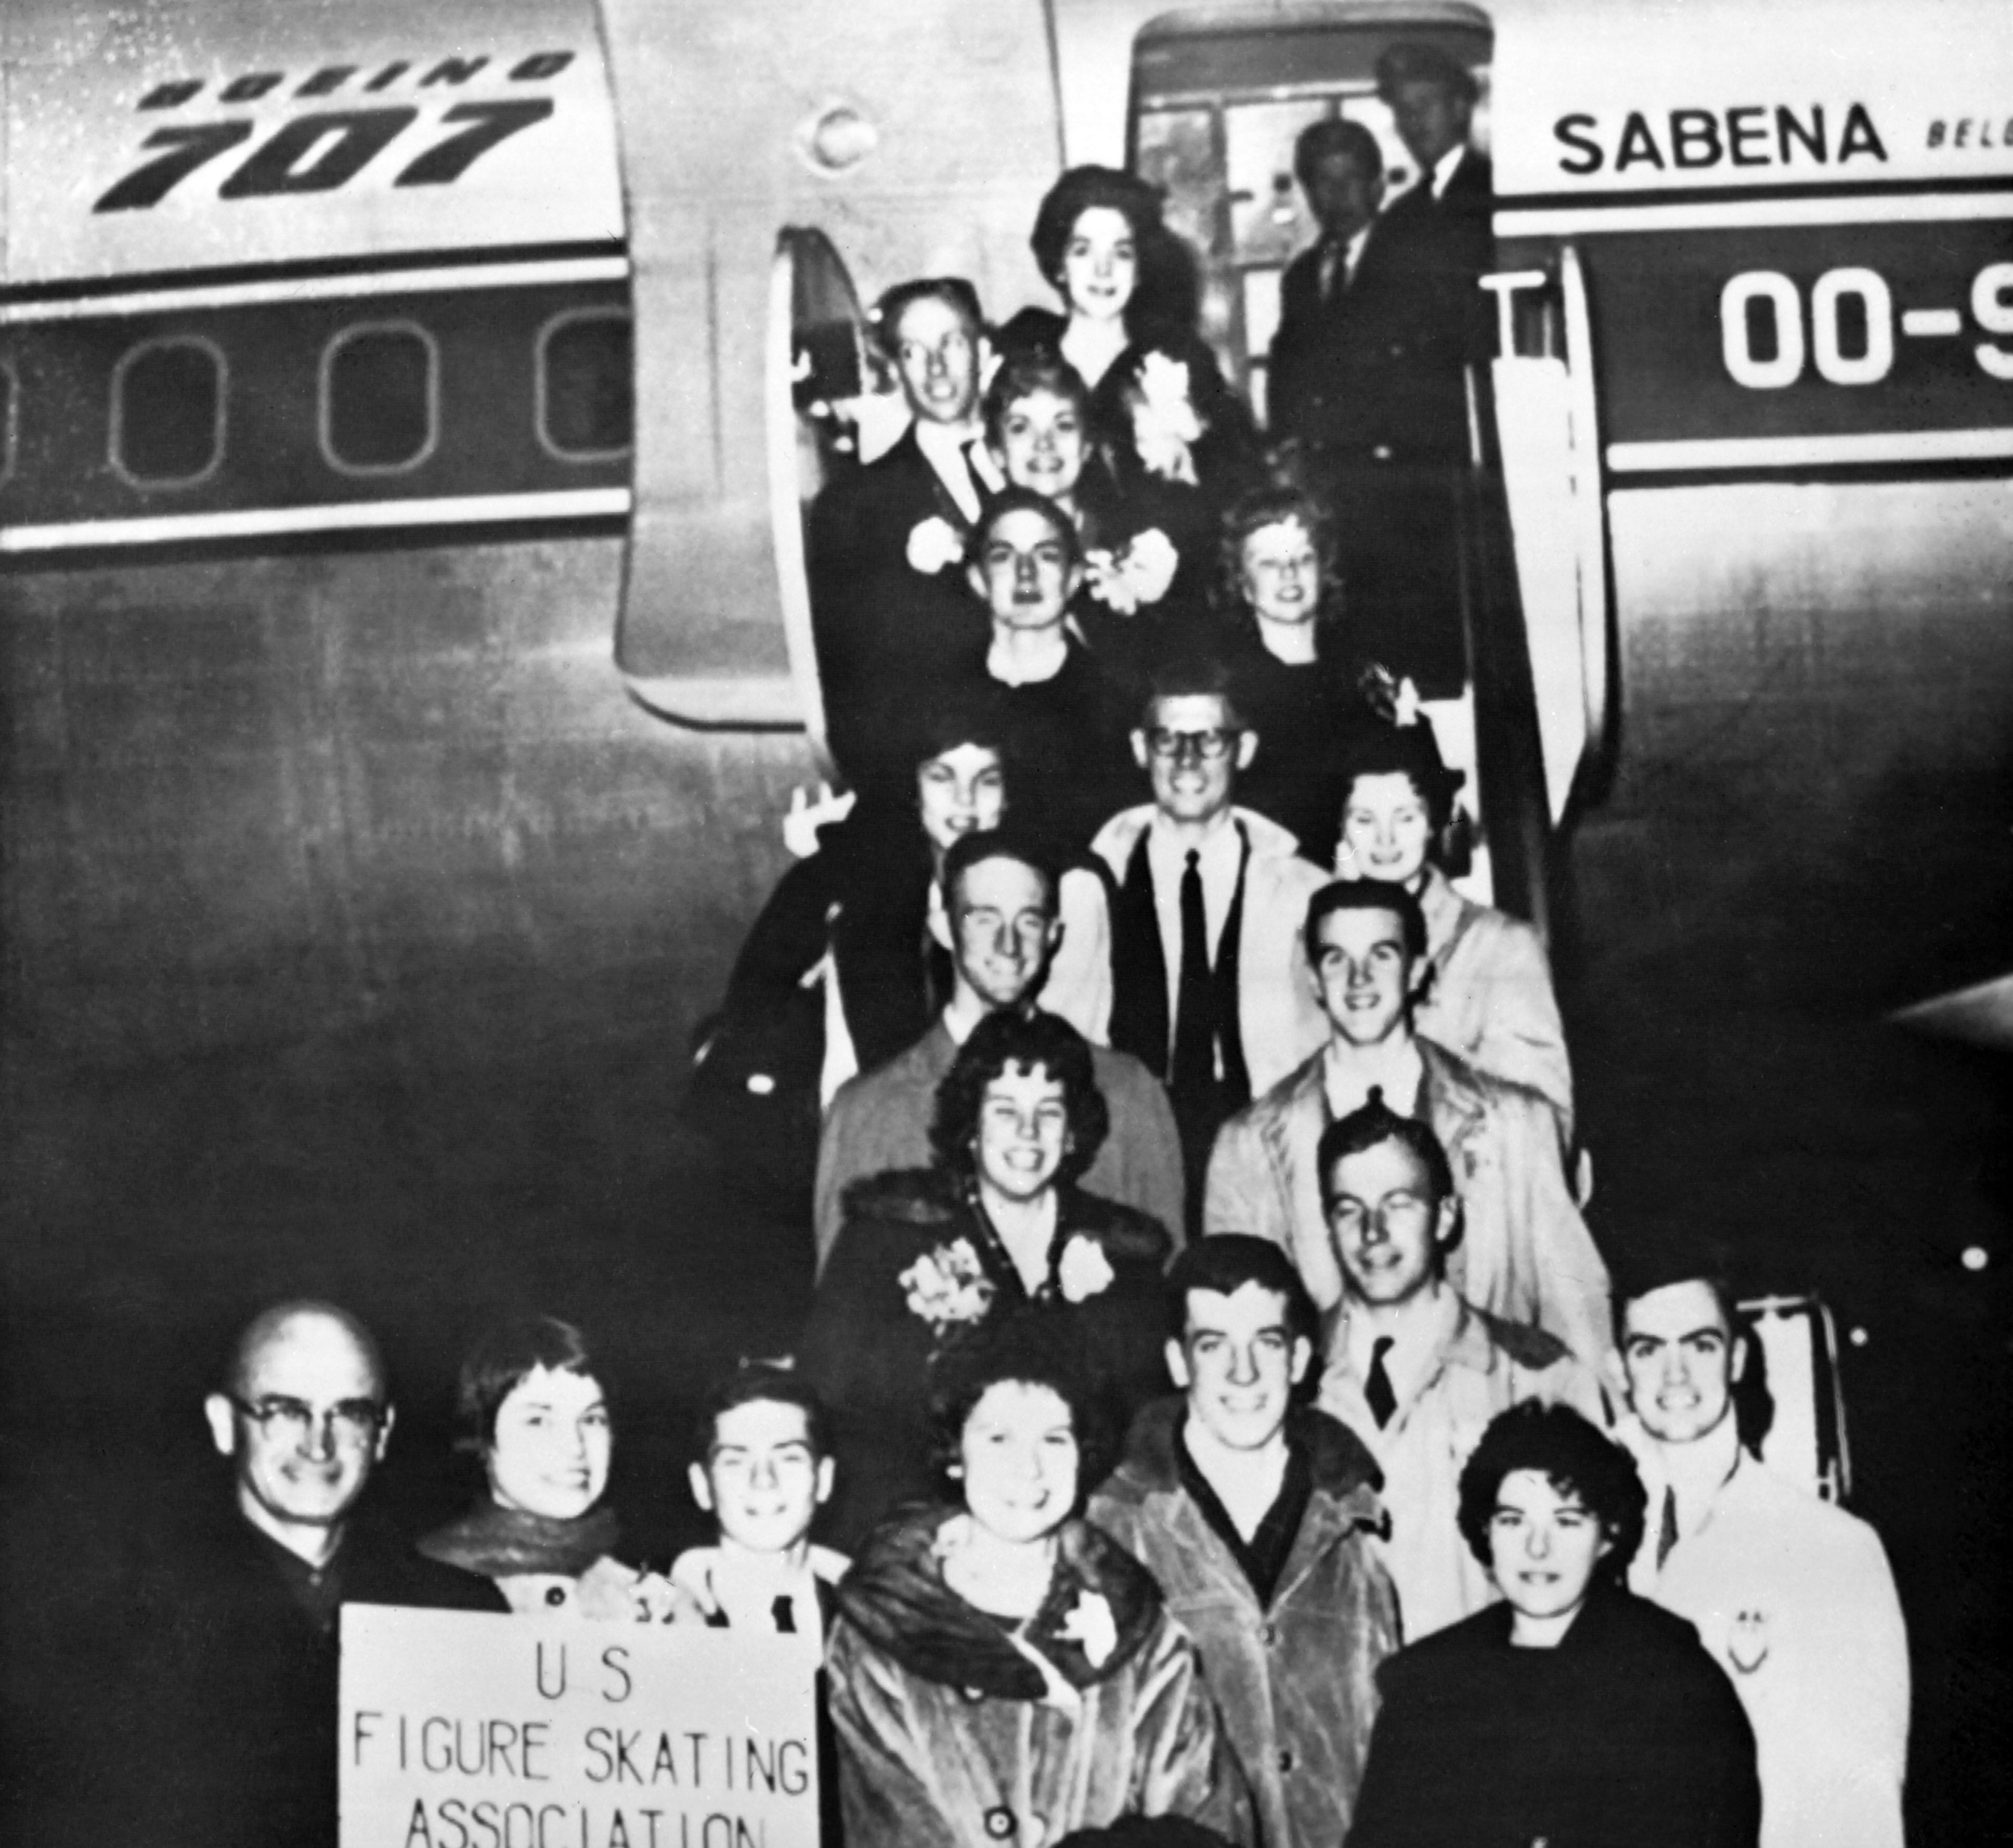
{"points": [[1215, 110]]}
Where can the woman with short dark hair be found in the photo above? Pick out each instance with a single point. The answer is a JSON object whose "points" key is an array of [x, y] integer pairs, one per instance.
{"points": [[1578, 1713], [1000, 1671], [997, 1224], [1158, 394], [533, 1405]]}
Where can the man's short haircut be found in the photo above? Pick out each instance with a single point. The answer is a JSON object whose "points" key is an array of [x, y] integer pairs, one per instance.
{"points": [[1372, 1124], [1075, 193], [1410, 751], [1034, 1345], [1008, 1038], [1365, 895], [1575, 1459], [504, 1358], [261, 1330], [1006, 842], [1336, 134], [1037, 369], [1647, 1265], [1224, 1262], [1416, 61], [953, 291], [1190, 676], [762, 1382], [1011, 500]]}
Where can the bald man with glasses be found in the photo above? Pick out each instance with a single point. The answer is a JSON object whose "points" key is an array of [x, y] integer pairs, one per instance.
{"points": [[1210, 988], [238, 1626]]}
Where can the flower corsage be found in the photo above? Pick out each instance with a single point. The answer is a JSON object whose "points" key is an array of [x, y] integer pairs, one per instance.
{"points": [[1083, 1271], [948, 1286], [1164, 423], [1088, 1624]]}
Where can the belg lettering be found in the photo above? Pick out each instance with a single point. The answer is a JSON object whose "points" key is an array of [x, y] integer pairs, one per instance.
{"points": [[1971, 131], [1694, 140]]}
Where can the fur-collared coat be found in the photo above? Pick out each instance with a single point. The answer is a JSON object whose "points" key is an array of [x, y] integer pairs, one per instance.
{"points": [[871, 1333], [1293, 1678], [953, 1733]]}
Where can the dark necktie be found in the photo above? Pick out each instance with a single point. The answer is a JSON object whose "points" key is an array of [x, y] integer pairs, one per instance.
{"points": [[1377, 1389], [786, 1614], [1666, 1528], [1195, 1000]]}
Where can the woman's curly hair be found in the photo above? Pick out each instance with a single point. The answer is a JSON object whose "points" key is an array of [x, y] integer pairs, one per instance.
{"points": [[1575, 1459], [1008, 1038], [1038, 1345]]}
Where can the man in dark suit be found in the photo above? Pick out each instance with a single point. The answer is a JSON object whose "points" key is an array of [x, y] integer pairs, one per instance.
{"points": [[1378, 324], [882, 627], [235, 1743]]}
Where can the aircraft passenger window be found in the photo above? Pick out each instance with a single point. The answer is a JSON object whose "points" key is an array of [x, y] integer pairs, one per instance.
{"points": [[1215, 110], [586, 409], [167, 412], [380, 399]]}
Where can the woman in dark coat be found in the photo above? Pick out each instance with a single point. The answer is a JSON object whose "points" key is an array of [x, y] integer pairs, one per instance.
{"points": [[1293, 672], [997, 1224], [1158, 396], [842, 971], [1000, 1671], [1573, 1713]]}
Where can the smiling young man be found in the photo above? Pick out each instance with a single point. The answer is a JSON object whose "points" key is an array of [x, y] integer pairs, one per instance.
{"points": [[1209, 989], [238, 1618], [1057, 704], [1255, 1515], [1526, 1254], [1000, 924], [1414, 1369], [876, 631], [1791, 1596]]}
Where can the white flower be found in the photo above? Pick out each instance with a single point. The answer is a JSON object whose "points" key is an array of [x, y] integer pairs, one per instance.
{"points": [[1108, 584], [947, 1285], [1164, 395], [933, 544], [1084, 1270], [1089, 1624], [1149, 564], [1164, 423]]}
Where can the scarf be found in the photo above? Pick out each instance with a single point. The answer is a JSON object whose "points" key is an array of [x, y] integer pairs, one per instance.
{"points": [[502, 1542]]}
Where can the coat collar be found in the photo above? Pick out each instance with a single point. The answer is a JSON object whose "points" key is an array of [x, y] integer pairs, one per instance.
{"points": [[1341, 1465], [1117, 839], [896, 1598]]}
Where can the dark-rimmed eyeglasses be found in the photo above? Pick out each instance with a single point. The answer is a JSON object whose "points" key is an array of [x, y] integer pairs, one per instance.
{"points": [[353, 1421], [1215, 743]]}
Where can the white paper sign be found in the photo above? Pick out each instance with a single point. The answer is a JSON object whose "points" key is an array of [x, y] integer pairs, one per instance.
{"points": [[460, 1730]]}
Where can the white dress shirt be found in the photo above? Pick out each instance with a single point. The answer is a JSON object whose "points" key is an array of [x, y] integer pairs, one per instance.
{"points": [[1443, 169]]}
